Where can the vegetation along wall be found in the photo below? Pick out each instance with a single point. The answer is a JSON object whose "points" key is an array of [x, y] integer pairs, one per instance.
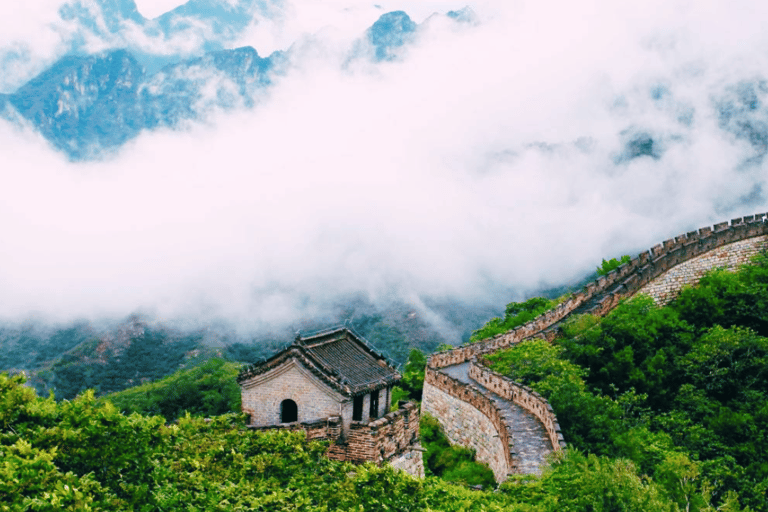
{"points": [[661, 272], [523, 396], [469, 419], [666, 287]]}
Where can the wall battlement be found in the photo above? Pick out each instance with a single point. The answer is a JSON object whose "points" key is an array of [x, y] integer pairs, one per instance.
{"points": [[605, 293], [393, 438], [470, 418], [522, 395], [660, 271]]}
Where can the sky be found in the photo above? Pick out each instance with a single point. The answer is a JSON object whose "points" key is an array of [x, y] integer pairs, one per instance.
{"points": [[486, 162]]}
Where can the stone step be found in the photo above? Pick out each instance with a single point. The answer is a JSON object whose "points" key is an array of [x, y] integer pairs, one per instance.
{"points": [[530, 439]]}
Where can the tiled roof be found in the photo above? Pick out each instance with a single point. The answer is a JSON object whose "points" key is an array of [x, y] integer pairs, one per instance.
{"points": [[338, 357], [353, 360]]}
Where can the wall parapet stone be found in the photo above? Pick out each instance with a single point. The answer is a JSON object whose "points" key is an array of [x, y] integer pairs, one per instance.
{"points": [[378, 441], [605, 293], [472, 419], [597, 298], [521, 395], [477, 399]]}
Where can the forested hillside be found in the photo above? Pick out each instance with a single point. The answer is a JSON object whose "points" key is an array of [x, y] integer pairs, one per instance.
{"points": [[86, 455], [71, 358], [206, 390], [663, 408], [681, 391]]}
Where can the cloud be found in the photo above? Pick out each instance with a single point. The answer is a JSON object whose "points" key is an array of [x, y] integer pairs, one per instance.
{"points": [[487, 157]]}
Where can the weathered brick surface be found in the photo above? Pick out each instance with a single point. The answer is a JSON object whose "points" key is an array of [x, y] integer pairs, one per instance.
{"points": [[660, 271], [666, 287], [470, 419], [523, 396], [263, 394], [410, 461], [393, 438]]}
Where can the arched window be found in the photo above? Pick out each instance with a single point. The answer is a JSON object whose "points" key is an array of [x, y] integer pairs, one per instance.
{"points": [[289, 412]]}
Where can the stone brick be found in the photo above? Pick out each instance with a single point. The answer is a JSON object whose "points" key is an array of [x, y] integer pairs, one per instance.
{"points": [[465, 425], [665, 287]]}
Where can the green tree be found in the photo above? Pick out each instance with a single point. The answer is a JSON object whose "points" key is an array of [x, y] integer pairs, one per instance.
{"points": [[612, 264]]}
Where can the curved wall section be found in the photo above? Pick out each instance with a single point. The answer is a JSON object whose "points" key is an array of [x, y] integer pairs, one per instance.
{"points": [[469, 419], [467, 415], [730, 256], [605, 293], [523, 396]]}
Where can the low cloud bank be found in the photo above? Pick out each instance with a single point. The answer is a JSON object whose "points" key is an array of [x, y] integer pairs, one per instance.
{"points": [[486, 162]]}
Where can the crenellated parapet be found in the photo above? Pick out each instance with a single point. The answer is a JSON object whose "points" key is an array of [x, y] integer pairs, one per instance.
{"points": [[520, 394], [393, 438], [660, 272], [470, 418], [604, 293]]}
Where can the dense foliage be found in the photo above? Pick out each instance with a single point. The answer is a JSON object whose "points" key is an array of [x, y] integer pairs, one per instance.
{"points": [[206, 390], [681, 390], [85, 455], [664, 409], [452, 463], [515, 315], [150, 356]]}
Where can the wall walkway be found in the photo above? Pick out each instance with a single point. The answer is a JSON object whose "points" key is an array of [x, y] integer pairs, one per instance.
{"points": [[456, 389]]}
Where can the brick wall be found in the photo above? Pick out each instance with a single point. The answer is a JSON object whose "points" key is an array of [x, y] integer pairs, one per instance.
{"points": [[602, 295], [262, 395], [393, 438], [730, 256], [382, 439], [523, 396], [470, 419], [660, 271]]}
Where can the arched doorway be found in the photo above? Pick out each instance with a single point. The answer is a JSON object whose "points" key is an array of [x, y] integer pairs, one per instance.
{"points": [[289, 411]]}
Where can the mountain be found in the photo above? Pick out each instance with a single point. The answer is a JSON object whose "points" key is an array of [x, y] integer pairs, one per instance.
{"points": [[71, 358], [222, 18], [391, 31], [117, 20], [82, 104], [87, 104]]}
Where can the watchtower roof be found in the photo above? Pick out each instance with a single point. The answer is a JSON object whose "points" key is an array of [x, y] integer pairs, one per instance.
{"points": [[339, 357]]}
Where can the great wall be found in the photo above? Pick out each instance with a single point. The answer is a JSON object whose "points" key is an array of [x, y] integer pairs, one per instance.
{"points": [[510, 426]]}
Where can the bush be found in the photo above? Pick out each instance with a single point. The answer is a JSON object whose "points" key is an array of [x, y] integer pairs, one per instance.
{"points": [[612, 264], [207, 390], [515, 315], [451, 462]]}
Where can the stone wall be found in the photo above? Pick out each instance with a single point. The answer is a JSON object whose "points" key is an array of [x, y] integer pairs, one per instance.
{"points": [[507, 339], [393, 438], [382, 439], [660, 271], [605, 293], [523, 396], [410, 461], [730, 256], [262, 395], [470, 419]]}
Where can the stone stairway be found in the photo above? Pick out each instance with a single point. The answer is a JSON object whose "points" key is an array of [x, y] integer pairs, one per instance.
{"points": [[531, 442]]}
